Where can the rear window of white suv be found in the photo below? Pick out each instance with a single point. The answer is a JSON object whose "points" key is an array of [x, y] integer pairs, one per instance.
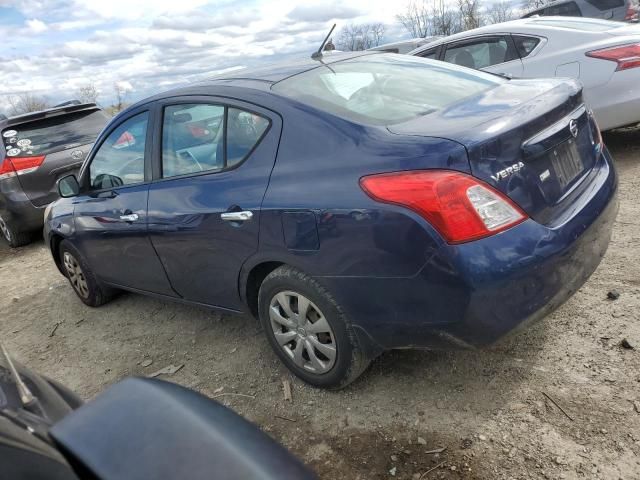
{"points": [[385, 89], [53, 134], [586, 25]]}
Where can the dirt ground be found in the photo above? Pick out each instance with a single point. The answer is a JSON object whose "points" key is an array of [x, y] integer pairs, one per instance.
{"points": [[498, 412]]}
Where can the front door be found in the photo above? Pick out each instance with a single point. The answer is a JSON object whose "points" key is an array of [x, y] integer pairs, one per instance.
{"points": [[213, 165], [111, 212]]}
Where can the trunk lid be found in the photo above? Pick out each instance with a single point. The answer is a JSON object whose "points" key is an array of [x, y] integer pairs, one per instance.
{"points": [[532, 140], [62, 138]]}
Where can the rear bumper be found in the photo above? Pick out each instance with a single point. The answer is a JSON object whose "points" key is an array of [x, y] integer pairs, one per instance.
{"points": [[617, 102], [472, 294], [16, 208]]}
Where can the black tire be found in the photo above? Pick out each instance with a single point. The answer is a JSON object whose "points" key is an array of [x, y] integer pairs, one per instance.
{"points": [[350, 358], [12, 236], [89, 289]]}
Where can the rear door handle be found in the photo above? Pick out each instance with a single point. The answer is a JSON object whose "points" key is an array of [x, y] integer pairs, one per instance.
{"points": [[236, 216], [132, 217]]}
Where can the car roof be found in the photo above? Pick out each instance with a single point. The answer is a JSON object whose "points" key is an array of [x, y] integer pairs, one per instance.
{"points": [[46, 113], [533, 26], [260, 78]]}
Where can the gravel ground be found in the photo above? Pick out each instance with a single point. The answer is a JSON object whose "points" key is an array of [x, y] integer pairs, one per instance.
{"points": [[559, 400]]}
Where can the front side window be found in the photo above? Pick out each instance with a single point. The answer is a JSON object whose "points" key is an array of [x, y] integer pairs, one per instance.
{"points": [[480, 53], [431, 54], [120, 159], [193, 138]]}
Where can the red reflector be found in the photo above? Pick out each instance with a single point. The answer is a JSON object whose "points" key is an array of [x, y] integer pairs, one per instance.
{"points": [[626, 56], [26, 164], [460, 207], [6, 169]]}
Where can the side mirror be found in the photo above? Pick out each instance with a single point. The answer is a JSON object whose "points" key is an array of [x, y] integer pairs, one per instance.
{"points": [[68, 186]]}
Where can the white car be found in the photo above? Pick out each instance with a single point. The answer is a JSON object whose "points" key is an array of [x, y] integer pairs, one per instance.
{"points": [[603, 55]]}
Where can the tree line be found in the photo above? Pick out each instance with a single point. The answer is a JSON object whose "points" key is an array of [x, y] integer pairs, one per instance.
{"points": [[26, 102], [427, 18]]}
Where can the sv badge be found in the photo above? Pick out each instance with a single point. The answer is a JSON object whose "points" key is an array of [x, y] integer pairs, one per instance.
{"points": [[516, 167]]}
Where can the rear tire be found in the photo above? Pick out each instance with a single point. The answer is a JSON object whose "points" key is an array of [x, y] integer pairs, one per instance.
{"points": [[308, 330], [13, 237], [89, 289]]}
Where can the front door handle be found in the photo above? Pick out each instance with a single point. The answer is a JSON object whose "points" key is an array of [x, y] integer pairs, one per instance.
{"points": [[132, 217], [236, 216]]}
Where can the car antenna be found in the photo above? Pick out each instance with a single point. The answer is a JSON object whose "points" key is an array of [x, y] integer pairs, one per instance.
{"points": [[318, 54], [26, 397]]}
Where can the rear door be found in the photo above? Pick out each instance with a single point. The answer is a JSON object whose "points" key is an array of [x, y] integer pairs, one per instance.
{"points": [[493, 53], [111, 212], [212, 168], [50, 148]]}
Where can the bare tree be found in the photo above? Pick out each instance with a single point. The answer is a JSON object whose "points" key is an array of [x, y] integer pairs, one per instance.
{"points": [[121, 94], [26, 102], [499, 12], [470, 16], [88, 93], [416, 19], [444, 20], [534, 4], [355, 37]]}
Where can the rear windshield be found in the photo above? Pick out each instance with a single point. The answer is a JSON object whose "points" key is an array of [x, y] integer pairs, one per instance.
{"points": [[385, 89], [586, 25], [54, 134], [606, 4]]}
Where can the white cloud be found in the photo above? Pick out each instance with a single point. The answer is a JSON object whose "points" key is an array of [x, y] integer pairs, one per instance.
{"points": [[153, 45], [36, 26]]}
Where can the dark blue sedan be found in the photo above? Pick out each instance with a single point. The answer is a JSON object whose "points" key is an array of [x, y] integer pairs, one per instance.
{"points": [[354, 204]]}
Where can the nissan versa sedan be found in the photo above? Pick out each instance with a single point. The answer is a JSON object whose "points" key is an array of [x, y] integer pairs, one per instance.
{"points": [[355, 204]]}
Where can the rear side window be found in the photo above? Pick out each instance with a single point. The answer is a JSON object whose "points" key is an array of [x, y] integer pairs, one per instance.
{"points": [[525, 45], [193, 138], [384, 89], [569, 9], [606, 4], [479, 53], [54, 134]]}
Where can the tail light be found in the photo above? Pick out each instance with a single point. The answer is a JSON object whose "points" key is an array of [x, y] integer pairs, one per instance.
{"points": [[460, 207], [626, 56], [596, 134], [632, 13], [12, 166]]}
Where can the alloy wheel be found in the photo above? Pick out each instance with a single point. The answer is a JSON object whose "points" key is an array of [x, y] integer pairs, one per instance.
{"points": [[302, 332], [76, 275], [5, 230]]}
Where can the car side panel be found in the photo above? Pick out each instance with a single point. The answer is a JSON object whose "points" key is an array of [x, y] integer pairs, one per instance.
{"points": [[321, 173]]}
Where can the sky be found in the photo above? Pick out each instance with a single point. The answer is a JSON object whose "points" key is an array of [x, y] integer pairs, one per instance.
{"points": [[54, 47]]}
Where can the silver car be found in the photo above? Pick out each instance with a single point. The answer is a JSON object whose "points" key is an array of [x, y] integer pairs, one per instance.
{"points": [[620, 10]]}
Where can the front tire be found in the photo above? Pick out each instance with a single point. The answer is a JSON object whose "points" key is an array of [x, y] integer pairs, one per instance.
{"points": [[83, 281], [13, 237], [308, 331]]}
